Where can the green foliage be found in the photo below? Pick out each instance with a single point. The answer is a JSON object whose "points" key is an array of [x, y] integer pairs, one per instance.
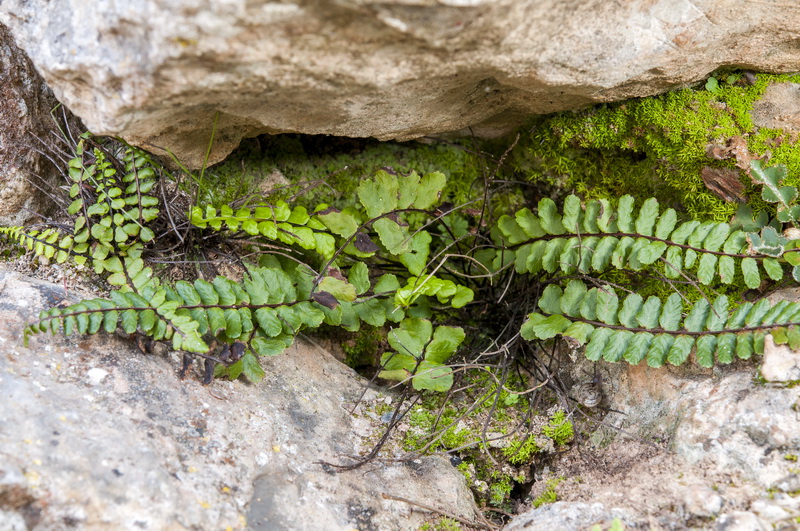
{"points": [[549, 495], [596, 237], [265, 320], [559, 428], [377, 260], [656, 146], [421, 357], [276, 299], [521, 452], [443, 524], [335, 282], [634, 329], [340, 163], [784, 196], [113, 203], [390, 255], [616, 525], [292, 226], [500, 491], [330, 232]]}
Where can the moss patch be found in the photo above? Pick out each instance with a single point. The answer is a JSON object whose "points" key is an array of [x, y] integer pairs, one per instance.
{"points": [[487, 420], [655, 146], [341, 164]]}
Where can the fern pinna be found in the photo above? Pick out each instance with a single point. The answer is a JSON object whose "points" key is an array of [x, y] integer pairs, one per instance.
{"points": [[595, 238]]}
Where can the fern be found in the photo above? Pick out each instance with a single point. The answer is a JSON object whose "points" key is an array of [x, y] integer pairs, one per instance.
{"points": [[50, 243], [261, 315], [292, 226], [112, 205], [265, 312], [599, 237], [368, 264], [633, 329], [420, 354], [327, 231]]}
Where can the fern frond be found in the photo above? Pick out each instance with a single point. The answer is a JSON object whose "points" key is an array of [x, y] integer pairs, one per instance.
{"points": [[598, 237], [49, 243], [113, 203], [263, 311], [381, 199], [634, 329], [279, 222]]}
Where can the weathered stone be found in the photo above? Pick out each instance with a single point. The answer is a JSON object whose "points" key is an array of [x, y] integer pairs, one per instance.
{"points": [[700, 500], [25, 107], [94, 434], [566, 515], [781, 363], [157, 72], [741, 521], [769, 510], [778, 108], [671, 434], [735, 424]]}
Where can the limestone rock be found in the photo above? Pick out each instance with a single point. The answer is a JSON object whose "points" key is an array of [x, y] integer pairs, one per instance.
{"points": [[778, 108], [25, 107], [94, 434], [781, 363], [736, 424], [157, 72], [690, 447], [741, 521], [700, 500], [727, 422], [566, 515]]}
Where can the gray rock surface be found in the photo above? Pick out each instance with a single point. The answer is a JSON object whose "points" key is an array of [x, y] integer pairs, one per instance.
{"points": [[780, 363], [734, 423], [25, 107], [569, 515], [779, 108], [157, 72], [96, 435], [696, 448], [741, 521], [699, 500]]}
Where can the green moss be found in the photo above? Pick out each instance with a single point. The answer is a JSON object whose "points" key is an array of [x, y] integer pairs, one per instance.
{"points": [[500, 490], [616, 525], [521, 451], [443, 524], [464, 420], [424, 421], [549, 495], [559, 428], [653, 146], [364, 349], [341, 164]]}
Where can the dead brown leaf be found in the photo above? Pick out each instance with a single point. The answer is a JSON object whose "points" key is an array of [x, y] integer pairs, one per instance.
{"points": [[736, 148], [724, 183]]}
